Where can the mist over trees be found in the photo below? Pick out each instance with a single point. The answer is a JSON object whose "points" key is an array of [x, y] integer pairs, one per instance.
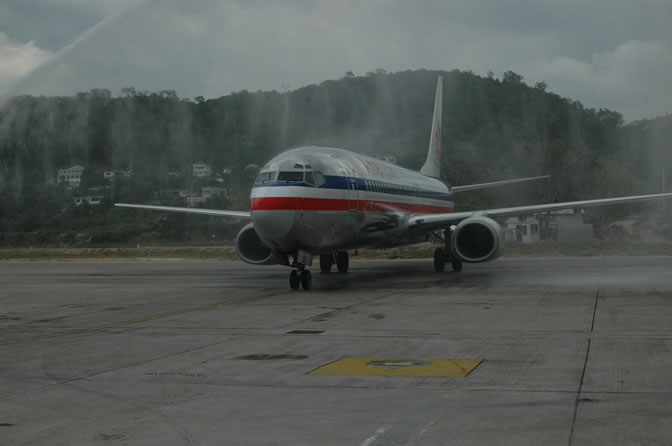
{"points": [[492, 129]]}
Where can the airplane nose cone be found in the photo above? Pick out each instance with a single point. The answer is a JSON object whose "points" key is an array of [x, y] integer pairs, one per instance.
{"points": [[273, 226]]}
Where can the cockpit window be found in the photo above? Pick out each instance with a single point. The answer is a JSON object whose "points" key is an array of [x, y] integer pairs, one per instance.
{"points": [[309, 178], [319, 179], [265, 177], [290, 176]]}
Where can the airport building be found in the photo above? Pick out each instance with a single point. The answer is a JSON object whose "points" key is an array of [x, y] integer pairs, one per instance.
{"points": [[565, 225], [522, 230]]}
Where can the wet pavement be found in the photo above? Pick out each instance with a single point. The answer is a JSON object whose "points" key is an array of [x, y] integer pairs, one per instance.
{"points": [[575, 351]]}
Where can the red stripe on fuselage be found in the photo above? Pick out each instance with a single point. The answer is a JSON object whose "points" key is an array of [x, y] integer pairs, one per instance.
{"points": [[329, 204]]}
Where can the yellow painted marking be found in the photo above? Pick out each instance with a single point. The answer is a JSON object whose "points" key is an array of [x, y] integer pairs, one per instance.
{"points": [[386, 366], [139, 320]]}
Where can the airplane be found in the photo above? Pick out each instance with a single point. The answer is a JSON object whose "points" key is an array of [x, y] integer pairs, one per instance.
{"points": [[324, 201]]}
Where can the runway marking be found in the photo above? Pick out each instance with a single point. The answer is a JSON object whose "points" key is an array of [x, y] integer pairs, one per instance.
{"points": [[386, 366], [380, 431], [140, 320]]}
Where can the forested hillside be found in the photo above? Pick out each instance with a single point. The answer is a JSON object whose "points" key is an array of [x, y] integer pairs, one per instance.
{"points": [[492, 129]]}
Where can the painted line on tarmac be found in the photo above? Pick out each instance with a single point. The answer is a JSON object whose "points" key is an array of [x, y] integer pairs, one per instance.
{"points": [[372, 439], [140, 320]]}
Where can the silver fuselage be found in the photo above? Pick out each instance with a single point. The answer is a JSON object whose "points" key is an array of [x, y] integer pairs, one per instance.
{"points": [[322, 200]]}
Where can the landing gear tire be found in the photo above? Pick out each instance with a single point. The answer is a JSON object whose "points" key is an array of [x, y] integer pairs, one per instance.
{"points": [[306, 280], [439, 260], [294, 280], [342, 262], [456, 264], [326, 262]]}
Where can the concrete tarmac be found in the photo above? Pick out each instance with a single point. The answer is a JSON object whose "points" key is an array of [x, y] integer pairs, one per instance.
{"points": [[576, 351]]}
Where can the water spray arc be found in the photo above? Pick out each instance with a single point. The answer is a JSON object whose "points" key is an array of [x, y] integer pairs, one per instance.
{"points": [[64, 52]]}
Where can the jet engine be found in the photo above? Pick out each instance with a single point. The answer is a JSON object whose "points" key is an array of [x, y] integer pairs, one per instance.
{"points": [[478, 239], [251, 249]]}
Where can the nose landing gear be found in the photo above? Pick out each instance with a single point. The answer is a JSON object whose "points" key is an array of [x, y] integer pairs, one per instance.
{"points": [[301, 276]]}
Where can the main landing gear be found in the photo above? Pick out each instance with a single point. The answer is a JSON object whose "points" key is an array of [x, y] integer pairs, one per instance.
{"points": [[445, 255], [341, 259]]}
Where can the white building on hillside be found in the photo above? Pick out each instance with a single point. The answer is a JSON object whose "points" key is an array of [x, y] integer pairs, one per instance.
{"points": [[209, 191], [109, 174], [194, 199], [201, 170], [71, 176], [92, 200]]}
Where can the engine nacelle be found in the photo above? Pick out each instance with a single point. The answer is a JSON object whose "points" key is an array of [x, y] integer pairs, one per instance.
{"points": [[251, 249], [478, 239]]}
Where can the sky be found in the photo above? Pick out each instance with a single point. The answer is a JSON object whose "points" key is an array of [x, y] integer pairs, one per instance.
{"points": [[614, 54]]}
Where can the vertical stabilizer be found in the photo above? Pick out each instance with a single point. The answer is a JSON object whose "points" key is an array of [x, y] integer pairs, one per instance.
{"points": [[432, 167]]}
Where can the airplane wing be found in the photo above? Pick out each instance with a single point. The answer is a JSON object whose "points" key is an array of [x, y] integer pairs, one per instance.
{"points": [[495, 184], [214, 212], [432, 222]]}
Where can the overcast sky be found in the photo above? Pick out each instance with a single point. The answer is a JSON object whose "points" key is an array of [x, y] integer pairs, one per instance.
{"points": [[605, 53]]}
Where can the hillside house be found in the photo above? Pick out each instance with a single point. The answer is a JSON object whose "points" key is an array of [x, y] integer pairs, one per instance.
{"points": [[71, 176], [201, 170]]}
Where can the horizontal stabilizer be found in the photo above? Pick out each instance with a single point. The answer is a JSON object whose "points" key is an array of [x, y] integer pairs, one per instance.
{"points": [[496, 184], [213, 212]]}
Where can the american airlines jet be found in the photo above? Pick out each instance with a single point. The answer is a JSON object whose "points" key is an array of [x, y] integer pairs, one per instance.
{"points": [[323, 201]]}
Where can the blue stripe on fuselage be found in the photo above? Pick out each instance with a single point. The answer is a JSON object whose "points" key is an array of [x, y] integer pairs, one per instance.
{"points": [[339, 182]]}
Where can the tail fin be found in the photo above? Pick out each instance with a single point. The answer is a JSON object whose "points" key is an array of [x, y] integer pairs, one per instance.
{"points": [[432, 167]]}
